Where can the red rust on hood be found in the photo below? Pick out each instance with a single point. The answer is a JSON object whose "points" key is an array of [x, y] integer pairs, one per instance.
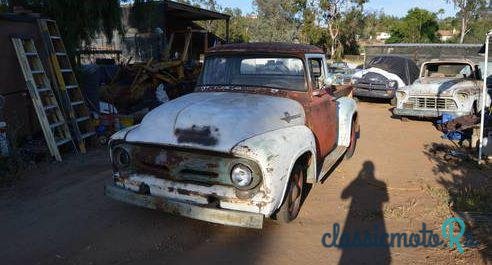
{"points": [[299, 96]]}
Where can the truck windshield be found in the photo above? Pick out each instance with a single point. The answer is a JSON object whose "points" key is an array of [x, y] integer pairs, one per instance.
{"points": [[458, 70], [280, 73]]}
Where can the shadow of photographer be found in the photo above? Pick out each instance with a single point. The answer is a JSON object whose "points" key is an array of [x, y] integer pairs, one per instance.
{"points": [[365, 220]]}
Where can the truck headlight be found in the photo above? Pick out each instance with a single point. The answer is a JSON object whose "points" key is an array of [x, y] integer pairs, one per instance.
{"points": [[400, 94], [393, 84], [462, 96], [121, 158], [241, 175]]}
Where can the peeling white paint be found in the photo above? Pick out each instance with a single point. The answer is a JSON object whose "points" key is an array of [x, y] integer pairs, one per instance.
{"points": [[276, 152], [230, 117], [346, 110]]}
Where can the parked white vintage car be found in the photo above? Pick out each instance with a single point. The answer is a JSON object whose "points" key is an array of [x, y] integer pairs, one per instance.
{"points": [[450, 86]]}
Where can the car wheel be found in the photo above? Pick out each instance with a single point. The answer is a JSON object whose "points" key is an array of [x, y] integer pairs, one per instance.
{"points": [[353, 141], [474, 109], [293, 196], [393, 101]]}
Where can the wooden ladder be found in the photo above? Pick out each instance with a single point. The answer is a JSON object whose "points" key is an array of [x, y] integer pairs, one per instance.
{"points": [[70, 94], [50, 117]]}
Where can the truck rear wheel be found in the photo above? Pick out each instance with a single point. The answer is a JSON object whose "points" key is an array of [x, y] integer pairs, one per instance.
{"points": [[293, 196]]}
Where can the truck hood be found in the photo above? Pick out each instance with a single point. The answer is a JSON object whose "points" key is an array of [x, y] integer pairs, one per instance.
{"points": [[216, 121], [383, 73], [439, 86]]}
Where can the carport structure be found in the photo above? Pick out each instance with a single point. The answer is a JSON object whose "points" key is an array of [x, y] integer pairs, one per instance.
{"points": [[176, 13], [156, 26]]}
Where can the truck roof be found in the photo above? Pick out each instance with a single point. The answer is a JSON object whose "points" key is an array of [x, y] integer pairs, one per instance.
{"points": [[266, 47], [444, 61]]}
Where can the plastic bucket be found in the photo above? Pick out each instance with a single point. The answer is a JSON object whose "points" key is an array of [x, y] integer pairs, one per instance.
{"points": [[126, 120]]}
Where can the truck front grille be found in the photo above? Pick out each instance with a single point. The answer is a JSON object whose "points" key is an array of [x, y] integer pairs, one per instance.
{"points": [[432, 103], [367, 86]]}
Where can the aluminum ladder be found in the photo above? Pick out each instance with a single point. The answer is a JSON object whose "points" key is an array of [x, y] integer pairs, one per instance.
{"points": [[53, 124], [71, 96]]}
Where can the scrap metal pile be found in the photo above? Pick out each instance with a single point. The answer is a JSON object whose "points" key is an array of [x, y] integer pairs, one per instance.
{"points": [[134, 86]]}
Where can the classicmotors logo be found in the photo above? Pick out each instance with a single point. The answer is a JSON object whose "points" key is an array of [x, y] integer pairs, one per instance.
{"points": [[424, 238]]}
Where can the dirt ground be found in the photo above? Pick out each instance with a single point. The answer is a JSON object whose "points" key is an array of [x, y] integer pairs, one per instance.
{"points": [[399, 178]]}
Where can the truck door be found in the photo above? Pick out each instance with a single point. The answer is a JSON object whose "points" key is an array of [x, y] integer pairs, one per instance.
{"points": [[322, 115]]}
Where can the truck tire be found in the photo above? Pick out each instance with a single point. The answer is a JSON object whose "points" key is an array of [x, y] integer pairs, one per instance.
{"points": [[293, 196], [353, 140]]}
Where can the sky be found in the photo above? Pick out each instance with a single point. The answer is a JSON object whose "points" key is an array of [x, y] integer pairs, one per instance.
{"points": [[397, 8]]}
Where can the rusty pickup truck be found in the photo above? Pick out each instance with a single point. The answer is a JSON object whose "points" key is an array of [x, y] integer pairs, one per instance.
{"points": [[262, 124]]}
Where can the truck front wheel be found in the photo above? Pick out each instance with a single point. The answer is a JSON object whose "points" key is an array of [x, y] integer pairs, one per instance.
{"points": [[393, 101], [293, 196], [353, 140]]}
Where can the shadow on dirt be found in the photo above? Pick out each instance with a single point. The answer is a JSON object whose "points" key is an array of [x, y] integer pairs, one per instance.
{"points": [[368, 195], [469, 190]]}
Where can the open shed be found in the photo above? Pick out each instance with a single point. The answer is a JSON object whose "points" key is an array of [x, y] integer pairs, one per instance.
{"points": [[150, 26]]}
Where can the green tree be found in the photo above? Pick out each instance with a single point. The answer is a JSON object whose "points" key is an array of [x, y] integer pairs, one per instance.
{"points": [[352, 28], [311, 32], [339, 19], [240, 26], [469, 11], [3, 6], [331, 11], [278, 20], [478, 29], [78, 21], [418, 26]]}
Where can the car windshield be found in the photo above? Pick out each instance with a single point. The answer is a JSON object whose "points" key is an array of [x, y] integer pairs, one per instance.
{"points": [[457, 70], [339, 65], [254, 71]]}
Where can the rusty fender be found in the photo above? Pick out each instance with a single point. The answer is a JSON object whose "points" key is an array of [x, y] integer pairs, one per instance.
{"points": [[276, 152]]}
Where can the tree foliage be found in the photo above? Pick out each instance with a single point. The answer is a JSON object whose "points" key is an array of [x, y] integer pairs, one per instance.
{"points": [[418, 26], [478, 29], [277, 20], [78, 21], [3, 6], [469, 11], [336, 25]]}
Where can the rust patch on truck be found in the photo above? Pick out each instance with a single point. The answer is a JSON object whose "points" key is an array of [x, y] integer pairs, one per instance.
{"points": [[204, 135]]}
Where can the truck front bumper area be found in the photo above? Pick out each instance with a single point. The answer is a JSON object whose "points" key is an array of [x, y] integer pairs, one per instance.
{"points": [[374, 93], [204, 213], [427, 113]]}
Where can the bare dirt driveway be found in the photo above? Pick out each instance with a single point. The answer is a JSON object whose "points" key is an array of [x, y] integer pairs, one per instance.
{"points": [[398, 179]]}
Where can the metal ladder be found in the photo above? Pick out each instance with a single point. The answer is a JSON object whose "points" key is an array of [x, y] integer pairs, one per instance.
{"points": [[70, 94], [50, 117]]}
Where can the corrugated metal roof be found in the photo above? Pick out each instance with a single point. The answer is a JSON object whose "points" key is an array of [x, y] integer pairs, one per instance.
{"points": [[192, 13]]}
